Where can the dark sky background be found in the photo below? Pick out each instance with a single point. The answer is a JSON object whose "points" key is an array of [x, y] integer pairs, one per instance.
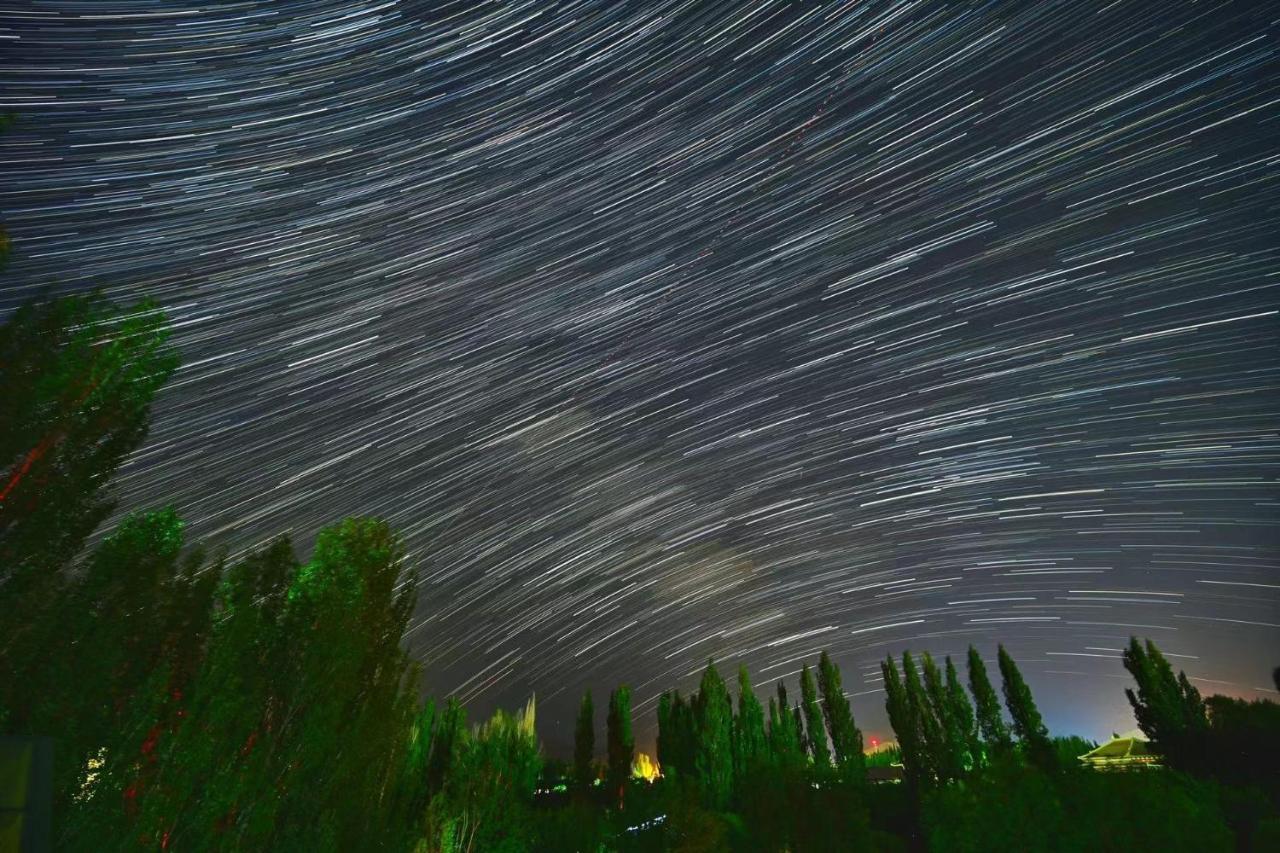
{"points": [[676, 329]]}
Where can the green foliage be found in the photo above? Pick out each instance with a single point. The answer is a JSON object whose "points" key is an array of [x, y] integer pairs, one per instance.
{"points": [[1067, 750], [952, 756], [815, 731], [800, 811], [1027, 725], [299, 723], [932, 742], [621, 743], [904, 718], [106, 664], [77, 376], [1168, 709], [578, 826], [846, 739], [960, 711], [584, 742], [713, 759], [995, 734], [485, 803], [1242, 745], [1012, 807], [749, 738], [785, 742], [677, 735]]}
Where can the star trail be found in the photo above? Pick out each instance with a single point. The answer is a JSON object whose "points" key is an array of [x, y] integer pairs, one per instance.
{"points": [[671, 330]]}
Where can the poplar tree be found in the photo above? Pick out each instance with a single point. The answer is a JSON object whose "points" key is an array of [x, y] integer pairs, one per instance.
{"points": [[846, 739], [906, 727], [713, 761], [1169, 709], [933, 744], [621, 743], [961, 711], [584, 742], [950, 762], [1027, 725], [677, 738], [815, 729], [666, 733], [749, 738], [784, 738], [995, 734]]}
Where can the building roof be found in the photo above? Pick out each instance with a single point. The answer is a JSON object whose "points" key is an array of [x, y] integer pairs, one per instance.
{"points": [[1121, 749]]}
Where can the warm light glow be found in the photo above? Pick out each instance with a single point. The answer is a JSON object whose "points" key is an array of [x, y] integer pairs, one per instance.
{"points": [[645, 768]]}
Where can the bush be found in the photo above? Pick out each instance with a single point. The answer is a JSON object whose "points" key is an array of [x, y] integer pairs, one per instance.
{"points": [[1020, 808]]}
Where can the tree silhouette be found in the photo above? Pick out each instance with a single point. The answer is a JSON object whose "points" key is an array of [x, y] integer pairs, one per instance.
{"points": [[1168, 708], [713, 761], [1027, 724], [749, 739], [995, 734], [621, 743], [815, 730], [584, 742], [846, 739]]}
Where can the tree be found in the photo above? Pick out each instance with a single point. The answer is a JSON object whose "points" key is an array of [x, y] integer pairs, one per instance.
{"points": [[299, 723], [675, 735], [485, 802], [784, 738], [846, 739], [906, 726], [198, 773], [584, 742], [1168, 709], [932, 740], [951, 761], [1027, 724], [749, 726], [621, 744], [713, 760], [109, 666], [995, 734], [961, 712], [77, 376], [815, 730]]}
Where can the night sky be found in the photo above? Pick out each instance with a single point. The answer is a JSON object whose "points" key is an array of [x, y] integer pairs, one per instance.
{"points": [[671, 330]]}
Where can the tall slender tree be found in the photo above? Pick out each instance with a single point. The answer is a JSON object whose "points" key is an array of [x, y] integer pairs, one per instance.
{"points": [[784, 739], [713, 760], [1169, 710], [961, 712], [995, 734], [951, 760], [666, 731], [906, 726], [933, 744], [584, 742], [846, 739], [1027, 725], [749, 740], [622, 746], [815, 730]]}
